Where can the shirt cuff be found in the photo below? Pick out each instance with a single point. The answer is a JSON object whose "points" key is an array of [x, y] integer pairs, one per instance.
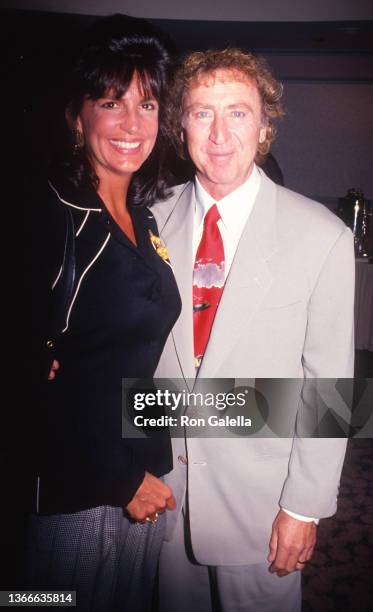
{"points": [[300, 517]]}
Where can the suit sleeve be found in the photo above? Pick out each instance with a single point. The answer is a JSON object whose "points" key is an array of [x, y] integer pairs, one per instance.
{"points": [[315, 465]]}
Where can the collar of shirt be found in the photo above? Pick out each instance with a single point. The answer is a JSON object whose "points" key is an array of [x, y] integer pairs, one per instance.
{"points": [[234, 209]]}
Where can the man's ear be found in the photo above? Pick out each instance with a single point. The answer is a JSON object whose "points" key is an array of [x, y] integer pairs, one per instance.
{"points": [[262, 134]]}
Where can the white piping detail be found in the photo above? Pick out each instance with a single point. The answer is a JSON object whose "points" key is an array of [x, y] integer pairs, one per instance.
{"points": [[58, 276], [37, 494], [83, 224], [81, 278], [69, 203]]}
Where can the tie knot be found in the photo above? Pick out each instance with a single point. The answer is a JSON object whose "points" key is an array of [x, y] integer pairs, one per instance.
{"points": [[212, 216]]}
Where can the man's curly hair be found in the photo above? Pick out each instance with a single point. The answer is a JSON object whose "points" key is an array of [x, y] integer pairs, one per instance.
{"points": [[240, 63]]}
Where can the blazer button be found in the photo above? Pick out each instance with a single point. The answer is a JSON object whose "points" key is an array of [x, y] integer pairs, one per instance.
{"points": [[182, 459]]}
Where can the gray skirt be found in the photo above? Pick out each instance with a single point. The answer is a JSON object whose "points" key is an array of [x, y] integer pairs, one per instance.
{"points": [[108, 560]]}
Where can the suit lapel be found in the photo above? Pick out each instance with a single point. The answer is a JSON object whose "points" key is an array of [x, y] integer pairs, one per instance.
{"points": [[175, 220], [248, 281]]}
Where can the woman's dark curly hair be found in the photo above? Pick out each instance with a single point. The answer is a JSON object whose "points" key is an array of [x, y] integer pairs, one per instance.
{"points": [[114, 50]]}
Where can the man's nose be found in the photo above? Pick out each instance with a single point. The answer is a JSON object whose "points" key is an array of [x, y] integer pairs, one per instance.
{"points": [[219, 131]]}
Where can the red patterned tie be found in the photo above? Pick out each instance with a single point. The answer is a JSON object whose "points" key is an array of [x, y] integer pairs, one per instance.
{"points": [[208, 282]]}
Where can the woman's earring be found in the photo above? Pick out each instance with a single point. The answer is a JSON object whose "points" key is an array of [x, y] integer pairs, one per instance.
{"points": [[78, 141]]}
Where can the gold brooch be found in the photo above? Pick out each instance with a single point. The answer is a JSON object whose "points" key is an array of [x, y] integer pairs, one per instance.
{"points": [[160, 249]]}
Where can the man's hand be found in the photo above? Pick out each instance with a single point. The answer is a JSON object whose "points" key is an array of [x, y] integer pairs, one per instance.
{"points": [[152, 497], [54, 367], [291, 545]]}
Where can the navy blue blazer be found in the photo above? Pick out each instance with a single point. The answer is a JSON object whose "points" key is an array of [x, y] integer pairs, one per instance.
{"points": [[125, 302]]}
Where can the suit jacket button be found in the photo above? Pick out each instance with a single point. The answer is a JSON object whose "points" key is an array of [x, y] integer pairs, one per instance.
{"points": [[182, 459]]}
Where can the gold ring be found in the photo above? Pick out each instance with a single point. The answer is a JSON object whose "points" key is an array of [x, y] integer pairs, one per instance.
{"points": [[153, 520]]}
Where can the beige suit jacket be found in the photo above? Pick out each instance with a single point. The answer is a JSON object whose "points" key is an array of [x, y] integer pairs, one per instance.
{"points": [[286, 312]]}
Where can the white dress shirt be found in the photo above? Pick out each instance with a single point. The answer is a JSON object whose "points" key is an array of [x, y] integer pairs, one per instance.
{"points": [[234, 209]]}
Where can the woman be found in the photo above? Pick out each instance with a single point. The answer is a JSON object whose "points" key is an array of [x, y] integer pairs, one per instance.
{"points": [[100, 501]]}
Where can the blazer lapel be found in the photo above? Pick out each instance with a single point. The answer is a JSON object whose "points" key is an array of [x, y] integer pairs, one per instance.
{"points": [[248, 281], [175, 220]]}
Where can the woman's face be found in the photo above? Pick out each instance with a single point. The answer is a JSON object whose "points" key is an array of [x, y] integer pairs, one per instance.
{"points": [[119, 135]]}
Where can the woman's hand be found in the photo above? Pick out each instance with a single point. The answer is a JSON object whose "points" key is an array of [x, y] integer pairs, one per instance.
{"points": [[152, 497], [54, 367]]}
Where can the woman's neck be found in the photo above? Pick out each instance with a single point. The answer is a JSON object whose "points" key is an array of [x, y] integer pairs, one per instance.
{"points": [[114, 195]]}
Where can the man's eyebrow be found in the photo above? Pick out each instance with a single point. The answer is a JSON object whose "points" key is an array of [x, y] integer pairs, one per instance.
{"points": [[198, 105], [212, 107], [245, 104]]}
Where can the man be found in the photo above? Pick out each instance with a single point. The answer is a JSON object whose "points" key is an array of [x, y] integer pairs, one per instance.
{"points": [[281, 307]]}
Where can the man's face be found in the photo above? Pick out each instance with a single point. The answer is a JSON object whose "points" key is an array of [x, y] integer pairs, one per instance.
{"points": [[222, 127]]}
